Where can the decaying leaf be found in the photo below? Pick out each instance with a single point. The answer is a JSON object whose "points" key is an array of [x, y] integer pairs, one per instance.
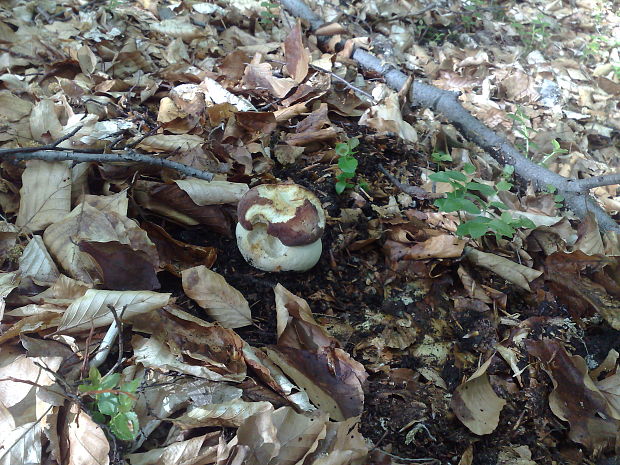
{"points": [[222, 301], [476, 404]]}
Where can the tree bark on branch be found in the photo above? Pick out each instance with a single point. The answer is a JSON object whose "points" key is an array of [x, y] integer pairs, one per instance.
{"points": [[79, 157], [575, 191]]}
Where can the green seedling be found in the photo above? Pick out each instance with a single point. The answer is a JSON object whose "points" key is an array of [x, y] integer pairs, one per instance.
{"points": [[559, 199], [348, 166], [557, 150], [469, 196], [522, 126], [534, 35], [267, 16], [112, 403], [439, 157]]}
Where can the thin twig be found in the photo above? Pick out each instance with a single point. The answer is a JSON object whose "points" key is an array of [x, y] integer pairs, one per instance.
{"points": [[127, 157], [413, 191]]}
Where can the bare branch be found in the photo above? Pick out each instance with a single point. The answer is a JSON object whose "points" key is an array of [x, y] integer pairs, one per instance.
{"points": [[127, 157], [595, 181]]}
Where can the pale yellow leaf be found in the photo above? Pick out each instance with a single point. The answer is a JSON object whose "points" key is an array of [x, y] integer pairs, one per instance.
{"points": [[45, 194], [92, 309]]}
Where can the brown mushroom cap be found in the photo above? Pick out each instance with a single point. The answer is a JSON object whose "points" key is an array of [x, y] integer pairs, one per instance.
{"points": [[290, 212]]}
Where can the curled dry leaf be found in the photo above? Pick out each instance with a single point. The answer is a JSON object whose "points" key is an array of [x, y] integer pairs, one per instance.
{"points": [[88, 223], [222, 302], [507, 269], [36, 265], [213, 192], [594, 420], [155, 354], [387, 117], [476, 404], [297, 57], [333, 380]]}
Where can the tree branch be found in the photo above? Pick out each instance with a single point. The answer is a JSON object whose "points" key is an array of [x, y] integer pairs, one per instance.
{"points": [[446, 103], [42, 153]]}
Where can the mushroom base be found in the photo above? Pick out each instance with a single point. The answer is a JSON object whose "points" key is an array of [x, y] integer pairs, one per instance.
{"points": [[267, 253]]}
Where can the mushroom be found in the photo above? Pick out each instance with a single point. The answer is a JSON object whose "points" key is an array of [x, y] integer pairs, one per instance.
{"points": [[280, 227]]}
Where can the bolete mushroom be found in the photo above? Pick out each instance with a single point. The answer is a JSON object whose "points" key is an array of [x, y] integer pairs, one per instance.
{"points": [[280, 227]]}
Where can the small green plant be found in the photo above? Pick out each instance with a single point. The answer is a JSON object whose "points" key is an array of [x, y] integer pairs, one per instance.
{"points": [[559, 199], [472, 14], [522, 126], [467, 196], [535, 34], [557, 150], [112, 403], [267, 16], [348, 166], [439, 157]]}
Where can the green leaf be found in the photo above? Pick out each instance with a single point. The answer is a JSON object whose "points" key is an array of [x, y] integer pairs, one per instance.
{"points": [[342, 149], [348, 164], [524, 223], [469, 168], [500, 205], [558, 198], [501, 228], [107, 403], [125, 426], [110, 381], [353, 143], [125, 403], [132, 385], [482, 188], [448, 176], [503, 185], [507, 217], [472, 229], [440, 156], [459, 204], [508, 170], [99, 417], [340, 187], [94, 376], [344, 176], [551, 188]]}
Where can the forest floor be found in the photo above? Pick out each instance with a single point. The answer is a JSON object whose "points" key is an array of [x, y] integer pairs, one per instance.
{"points": [[429, 345]]}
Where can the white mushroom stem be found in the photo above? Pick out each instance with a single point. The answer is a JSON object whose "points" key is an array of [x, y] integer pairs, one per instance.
{"points": [[104, 347]]}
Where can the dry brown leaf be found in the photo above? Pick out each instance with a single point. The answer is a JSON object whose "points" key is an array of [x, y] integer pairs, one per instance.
{"points": [[230, 414], [87, 442], [91, 310], [45, 196], [593, 421], [297, 57], [507, 269], [476, 404], [221, 301]]}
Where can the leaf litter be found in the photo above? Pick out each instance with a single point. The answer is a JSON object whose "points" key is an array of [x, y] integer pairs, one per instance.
{"points": [[405, 342]]}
